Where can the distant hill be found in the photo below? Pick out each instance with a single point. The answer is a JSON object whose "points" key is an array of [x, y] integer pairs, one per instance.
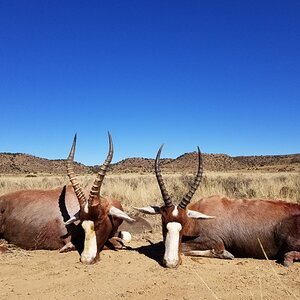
{"points": [[18, 163], [223, 162]]}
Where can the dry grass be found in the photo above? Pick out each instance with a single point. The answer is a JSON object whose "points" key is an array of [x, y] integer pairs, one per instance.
{"points": [[139, 190]]}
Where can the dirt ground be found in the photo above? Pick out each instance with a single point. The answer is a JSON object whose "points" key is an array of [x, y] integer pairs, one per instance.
{"points": [[137, 274]]}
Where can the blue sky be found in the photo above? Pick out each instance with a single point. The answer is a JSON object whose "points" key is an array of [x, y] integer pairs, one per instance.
{"points": [[224, 75]]}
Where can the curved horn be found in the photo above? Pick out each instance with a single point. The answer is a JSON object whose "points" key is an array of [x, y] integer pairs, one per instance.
{"points": [[187, 198], [164, 192], [77, 189], [95, 190]]}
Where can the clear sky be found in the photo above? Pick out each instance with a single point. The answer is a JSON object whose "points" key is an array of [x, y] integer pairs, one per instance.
{"points": [[224, 75]]}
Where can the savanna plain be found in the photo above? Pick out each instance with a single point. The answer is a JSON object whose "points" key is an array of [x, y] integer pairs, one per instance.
{"points": [[136, 273]]}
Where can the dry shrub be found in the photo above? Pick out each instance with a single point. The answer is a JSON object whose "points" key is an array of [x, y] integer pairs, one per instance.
{"points": [[142, 189]]}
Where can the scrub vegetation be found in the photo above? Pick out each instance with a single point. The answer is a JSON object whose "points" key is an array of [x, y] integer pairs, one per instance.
{"points": [[142, 189]]}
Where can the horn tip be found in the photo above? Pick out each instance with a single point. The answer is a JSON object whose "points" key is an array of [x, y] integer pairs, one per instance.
{"points": [[159, 150], [111, 146], [75, 138]]}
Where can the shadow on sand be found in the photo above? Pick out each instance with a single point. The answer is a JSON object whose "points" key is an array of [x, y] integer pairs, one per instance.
{"points": [[75, 231], [154, 251]]}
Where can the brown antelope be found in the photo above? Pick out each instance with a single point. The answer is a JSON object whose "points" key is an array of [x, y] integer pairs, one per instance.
{"points": [[38, 219], [220, 227]]}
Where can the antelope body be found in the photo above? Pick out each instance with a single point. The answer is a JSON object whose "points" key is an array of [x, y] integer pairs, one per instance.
{"points": [[220, 227], [32, 219], [38, 219]]}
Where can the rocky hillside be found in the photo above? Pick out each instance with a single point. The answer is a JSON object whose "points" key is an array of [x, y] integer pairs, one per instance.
{"points": [[223, 162], [136, 165], [17, 163]]}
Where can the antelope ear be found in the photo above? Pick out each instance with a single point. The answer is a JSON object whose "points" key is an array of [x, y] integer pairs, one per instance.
{"points": [[118, 213], [151, 210], [198, 215], [73, 219]]}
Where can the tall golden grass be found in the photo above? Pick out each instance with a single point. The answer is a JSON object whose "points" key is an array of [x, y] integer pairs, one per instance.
{"points": [[142, 189]]}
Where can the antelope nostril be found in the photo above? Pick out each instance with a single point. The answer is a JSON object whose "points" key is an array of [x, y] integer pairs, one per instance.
{"points": [[164, 263]]}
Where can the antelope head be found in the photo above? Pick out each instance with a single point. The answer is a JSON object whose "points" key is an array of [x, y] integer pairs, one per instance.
{"points": [[174, 217], [94, 216]]}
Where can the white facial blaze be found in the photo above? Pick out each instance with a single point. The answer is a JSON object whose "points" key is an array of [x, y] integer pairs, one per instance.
{"points": [[175, 212], [86, 208], [90, 242], [171, 244]]}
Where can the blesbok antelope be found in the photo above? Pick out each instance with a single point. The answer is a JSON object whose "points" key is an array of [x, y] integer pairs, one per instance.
{"points": [[37, 219], [223, 228]]}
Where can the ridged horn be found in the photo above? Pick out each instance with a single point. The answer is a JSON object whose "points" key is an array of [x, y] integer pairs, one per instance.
{"points": [[70, 171], [187, 198], [164, 192], [95, 190]]}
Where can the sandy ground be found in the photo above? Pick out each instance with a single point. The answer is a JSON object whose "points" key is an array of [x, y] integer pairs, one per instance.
{"points": [[137, 274]]}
